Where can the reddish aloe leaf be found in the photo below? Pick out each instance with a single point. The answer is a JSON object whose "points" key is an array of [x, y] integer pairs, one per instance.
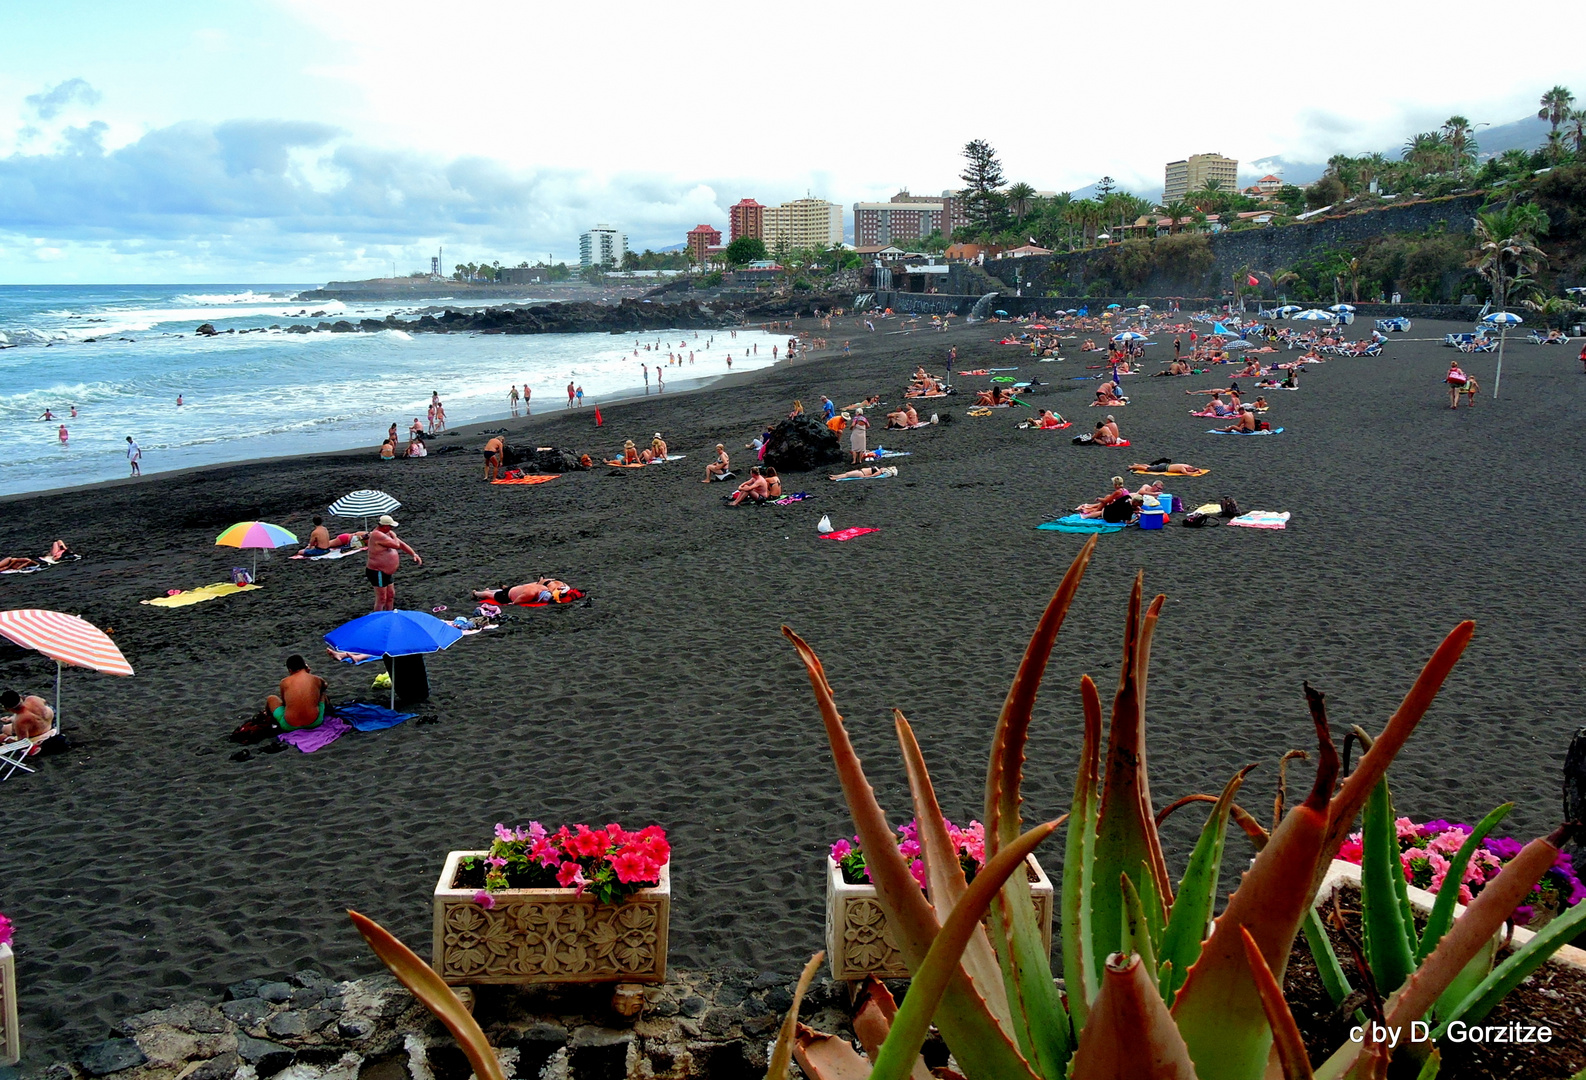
{"points": [[782, 1052], [966, 1023], [433, 994], [1290, 1045], [1013, 724], [1219, 1008], [1125, 830], [1079, 961], [1373, 764], [1130, 1035], [826, 1057], [1482, 918], [945, 875], [874, 1011]]}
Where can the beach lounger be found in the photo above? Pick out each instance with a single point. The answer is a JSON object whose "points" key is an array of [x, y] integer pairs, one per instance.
{"points": [[11, 755]]}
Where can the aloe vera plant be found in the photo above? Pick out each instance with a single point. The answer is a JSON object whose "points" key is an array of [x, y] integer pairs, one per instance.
{"points": [[1149, 992]]}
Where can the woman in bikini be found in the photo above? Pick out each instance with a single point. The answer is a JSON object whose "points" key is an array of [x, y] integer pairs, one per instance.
{"points": [[867, 471]]}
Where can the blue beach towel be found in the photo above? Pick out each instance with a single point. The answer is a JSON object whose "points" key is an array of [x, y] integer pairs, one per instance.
{"points": [[1273, 431], [1075, 523], [361, 717]]}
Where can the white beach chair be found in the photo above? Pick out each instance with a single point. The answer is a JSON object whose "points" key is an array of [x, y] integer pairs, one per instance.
{"points": [[11, 755]]}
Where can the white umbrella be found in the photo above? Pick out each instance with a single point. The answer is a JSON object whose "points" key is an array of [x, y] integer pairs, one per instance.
{"points": [[1288, 309], [365, 503], [1503, 320], [1129, 335], [1342, 307], [1314, 315]]}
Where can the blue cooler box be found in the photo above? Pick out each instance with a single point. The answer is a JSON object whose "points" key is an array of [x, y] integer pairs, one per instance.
{"points": [[1152, 519]]}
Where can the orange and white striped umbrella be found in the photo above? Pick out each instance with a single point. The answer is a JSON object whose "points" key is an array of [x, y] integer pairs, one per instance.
{"points": [[65, 639]]}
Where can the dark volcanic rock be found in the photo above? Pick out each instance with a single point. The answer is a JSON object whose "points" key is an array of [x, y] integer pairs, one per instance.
{"points": [[207, 330], [802, 444], [110, 1056], [560, 318]]}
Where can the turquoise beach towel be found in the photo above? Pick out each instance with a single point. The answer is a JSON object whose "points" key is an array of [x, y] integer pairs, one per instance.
{"points": [[1075, 523]]}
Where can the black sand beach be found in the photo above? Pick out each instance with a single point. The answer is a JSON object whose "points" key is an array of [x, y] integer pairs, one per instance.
{"points": [[145, 866]]}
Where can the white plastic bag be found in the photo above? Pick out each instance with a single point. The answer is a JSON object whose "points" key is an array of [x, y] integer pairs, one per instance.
{"points": [[825, 525]]}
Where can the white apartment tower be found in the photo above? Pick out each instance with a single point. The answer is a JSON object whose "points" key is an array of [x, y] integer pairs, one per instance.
{"points": [[602, 246]]}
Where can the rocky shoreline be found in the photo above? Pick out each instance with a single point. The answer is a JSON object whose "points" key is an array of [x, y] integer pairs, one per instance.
{"points": [[716, 1023]]}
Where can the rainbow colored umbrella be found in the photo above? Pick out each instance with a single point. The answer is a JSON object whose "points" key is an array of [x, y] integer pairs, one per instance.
{"points": [[255, 534]]}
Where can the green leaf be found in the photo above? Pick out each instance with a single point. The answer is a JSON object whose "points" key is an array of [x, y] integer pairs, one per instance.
{"points": [[1327, 965], [1515, 967], [1136, 937], [1081, 972], [1442, 914], [1381, 877], [1197, 892]]}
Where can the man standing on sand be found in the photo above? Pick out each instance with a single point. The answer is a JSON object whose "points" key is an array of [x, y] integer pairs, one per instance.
{"points": [[134, 456], [569, 393], [525, 399], [646, 369], [385, 555], [301, 702], [495, 449]]}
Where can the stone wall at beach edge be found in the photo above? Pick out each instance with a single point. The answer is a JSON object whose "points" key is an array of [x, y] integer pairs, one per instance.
{"points": [[938, 304], [717, 1024], [1268, 250]]}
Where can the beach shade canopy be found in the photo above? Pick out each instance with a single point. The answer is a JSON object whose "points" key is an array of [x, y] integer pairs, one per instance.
{"points": [[1114, 307], [393, 633], [65, 639], [1143, 307], [1237, 343], [365, 504], [1129, 335], [1313, 315], [255, 534], [1288, 309], [1503, 320], [999, 311], [1342, 307]]}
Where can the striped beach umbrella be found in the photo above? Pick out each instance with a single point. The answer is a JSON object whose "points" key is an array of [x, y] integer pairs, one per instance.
{"points": [[65, 639], [1129, 335], [1313, 315], [255, 534], [365, 503], [1341, 307], [1503, 320]]}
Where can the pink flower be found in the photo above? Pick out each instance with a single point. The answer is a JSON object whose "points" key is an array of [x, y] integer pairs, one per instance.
{"points": [[587, 843], [1350, 850], [544, 852], [503, 833], [909, 848], [5, 930], [841, 850], [571, 876], [496, 861], [1408, 830], [1447, 842], [484, 900], [917, 868], [632, 864]]}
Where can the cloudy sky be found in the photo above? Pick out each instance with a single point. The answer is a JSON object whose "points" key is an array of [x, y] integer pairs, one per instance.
{"points": [[298, 140]]}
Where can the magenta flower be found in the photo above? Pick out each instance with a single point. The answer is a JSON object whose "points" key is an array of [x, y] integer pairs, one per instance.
{"points": [[5, 930], [841, 850], [484, 900], [571, 876]]}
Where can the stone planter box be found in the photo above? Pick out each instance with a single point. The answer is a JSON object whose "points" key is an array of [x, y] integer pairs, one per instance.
{"points": [[10, 1030], [549, 935], [859, 942]]}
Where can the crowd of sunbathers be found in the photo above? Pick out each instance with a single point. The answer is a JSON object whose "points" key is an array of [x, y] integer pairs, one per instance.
{"points": [[632, 455], [58, 551], [924, 384]]}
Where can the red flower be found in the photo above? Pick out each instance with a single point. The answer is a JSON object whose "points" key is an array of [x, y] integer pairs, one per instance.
{"points": [[571, 876]]}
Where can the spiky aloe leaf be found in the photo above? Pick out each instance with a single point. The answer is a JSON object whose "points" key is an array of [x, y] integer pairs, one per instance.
{"points": [[1431, 1066], [1130, 1035], [1080, 971], [1218, 1009], [1383, 904], [1197, 892], [874, 1012], [1373, 764], [1136, 937], [1327, 965], [827, 1057], [1125, 828], [782, 1052], [967, 1024], [1442, 914], [1286, 1038], [1516, 966], [1039, 1020], [944, 875], [934, 976], [424, 984]]}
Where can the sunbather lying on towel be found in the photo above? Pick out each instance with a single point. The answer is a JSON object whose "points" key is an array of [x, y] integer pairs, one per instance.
{"points": [[997, 395], [321, 542], [29, 717], [301, 701], [865, 473], [1167, 466], [1177, 367], [58, 551], [868, 403], [1050, 420], [543, 591]]}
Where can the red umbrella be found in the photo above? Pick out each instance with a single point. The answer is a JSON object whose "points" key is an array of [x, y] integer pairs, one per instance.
{"points": [[66, 639]]}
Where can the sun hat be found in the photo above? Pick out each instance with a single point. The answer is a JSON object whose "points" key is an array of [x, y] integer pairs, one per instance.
{"points": [[387, 519]]}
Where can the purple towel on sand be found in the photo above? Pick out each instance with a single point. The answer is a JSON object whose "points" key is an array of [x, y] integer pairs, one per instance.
{"points": [[309, 740]]}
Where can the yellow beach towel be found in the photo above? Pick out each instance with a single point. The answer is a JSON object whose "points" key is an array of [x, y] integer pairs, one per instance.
{"points": [[199, 595]]}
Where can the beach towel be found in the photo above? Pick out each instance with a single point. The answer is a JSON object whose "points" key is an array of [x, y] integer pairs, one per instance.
{"points": [[1270, 431], [44, 563], [879, 453], [545, 479], [669, 457], [335, 553], [362, 717], [565, 598], [847, 534], [1088, 442], [311, 739], [1075, 523], [1262, 519], [977, 371], [199, 595], [1153, 472], [789, 500]]}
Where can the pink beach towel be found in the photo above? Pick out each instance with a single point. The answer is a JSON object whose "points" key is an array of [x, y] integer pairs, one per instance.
{"points": [[1262, 519], [309, 740], [847, 534]]}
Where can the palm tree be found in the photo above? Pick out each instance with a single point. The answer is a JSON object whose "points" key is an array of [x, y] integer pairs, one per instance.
{"points": [[1575, 128], [1506, 254], [1177, 210], [1555, 148], [1425, 151], [1369, 168], [1020, 196], [1555, 106], [1515, 161], [1461, 145]]}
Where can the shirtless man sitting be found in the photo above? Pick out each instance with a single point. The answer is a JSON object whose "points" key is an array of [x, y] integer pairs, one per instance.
{"points": [[30, 717], [1105, 395], [753, 489], [301, 701], [1093, 509], [541, 591], [905, 417], [1246, 422]]}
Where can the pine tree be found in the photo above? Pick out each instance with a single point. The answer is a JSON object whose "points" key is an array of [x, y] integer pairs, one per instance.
{"points": [[982, 194]]}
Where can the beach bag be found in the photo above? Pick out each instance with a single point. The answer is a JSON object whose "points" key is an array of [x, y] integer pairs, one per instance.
{"points": [[824, 525], [1082, 440], [241, 576], [1230, 509], [1264, 426], [1194, 520]]}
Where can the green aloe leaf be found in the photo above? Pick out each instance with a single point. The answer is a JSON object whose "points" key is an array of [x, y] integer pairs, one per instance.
{"points": [[1442, 914], [1136, 937], [1382, 911], [1327, 965], [1081, 970], [1197, 892], [1286, 1039]]}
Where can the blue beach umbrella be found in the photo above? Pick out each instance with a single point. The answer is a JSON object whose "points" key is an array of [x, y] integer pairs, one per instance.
{"points": [[999, 311], [393, 633], [1114, 307], [1342, 307], [1503, 320], [1129, 335], [1288, 309], [1314, 315]]}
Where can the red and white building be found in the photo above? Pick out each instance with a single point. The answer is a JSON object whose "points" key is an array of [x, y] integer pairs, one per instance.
{"points": [[703, 241], [746, 218]]}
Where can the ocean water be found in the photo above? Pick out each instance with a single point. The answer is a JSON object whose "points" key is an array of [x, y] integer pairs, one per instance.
{"points": [[122, 354]]}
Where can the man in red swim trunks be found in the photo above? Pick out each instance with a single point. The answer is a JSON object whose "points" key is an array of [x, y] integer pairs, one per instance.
{"points": [[385, 555]]}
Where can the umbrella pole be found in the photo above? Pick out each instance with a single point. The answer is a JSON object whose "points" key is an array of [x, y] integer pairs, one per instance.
{"points": [[57, 696], [1502, 337]]}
